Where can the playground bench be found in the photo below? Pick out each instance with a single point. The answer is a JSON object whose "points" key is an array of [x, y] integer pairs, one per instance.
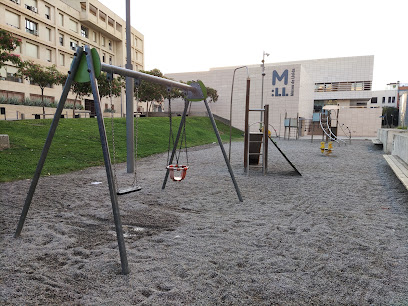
{"points": [[376, 141], [399, 167]]}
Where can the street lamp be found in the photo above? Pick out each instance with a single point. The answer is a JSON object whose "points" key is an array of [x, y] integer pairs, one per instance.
{"points": [[263, 76]]}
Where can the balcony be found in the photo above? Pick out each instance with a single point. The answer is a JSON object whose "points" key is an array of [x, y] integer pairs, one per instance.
{"points": [[92, 17], [31, 8], [34, 32]]}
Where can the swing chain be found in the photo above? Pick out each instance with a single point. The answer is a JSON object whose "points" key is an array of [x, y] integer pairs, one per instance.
{"points": [[109, 76], [136, 130]]}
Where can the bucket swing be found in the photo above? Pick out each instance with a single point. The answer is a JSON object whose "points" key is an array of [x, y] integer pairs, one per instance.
{"points": [[177, 171], [181, 172]]}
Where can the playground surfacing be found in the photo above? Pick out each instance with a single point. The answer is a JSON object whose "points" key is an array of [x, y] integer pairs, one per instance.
{"points": [[338, 234]]}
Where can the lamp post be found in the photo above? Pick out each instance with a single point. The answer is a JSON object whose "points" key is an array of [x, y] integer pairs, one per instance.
{"points": [[263, 76]]}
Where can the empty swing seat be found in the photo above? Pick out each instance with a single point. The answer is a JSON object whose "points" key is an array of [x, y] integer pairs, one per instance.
{"points": [[182, 169]]}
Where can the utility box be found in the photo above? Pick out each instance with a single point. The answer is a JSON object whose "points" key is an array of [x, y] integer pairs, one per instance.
{"points": [[4, 142]]}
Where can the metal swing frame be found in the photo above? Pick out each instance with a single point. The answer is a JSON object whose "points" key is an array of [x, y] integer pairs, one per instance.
{"points": [[194, 92]]}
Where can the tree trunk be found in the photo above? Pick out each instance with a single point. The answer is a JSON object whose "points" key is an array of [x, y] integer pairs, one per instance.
{"points": [[42, 101], [73, 111]]}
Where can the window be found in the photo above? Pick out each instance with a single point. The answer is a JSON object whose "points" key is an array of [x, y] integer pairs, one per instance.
{"points": [[93, 9], [94, 36], [118, 27], [110, 45], [9, 73], [48, 34], [84, 31], [110, 60], [12, 19], [111, 22], [31, 50], [31, 5], [48, 55], [61, 59], [393, 99], [73, 45], [389, 99], [73, 25], [61, 19], [31, 27], [383, 99], [102, 16], [103, 41], [61, 39], [373, 100], [47, 12], [103, 57], [357, 86], [83, 6]]}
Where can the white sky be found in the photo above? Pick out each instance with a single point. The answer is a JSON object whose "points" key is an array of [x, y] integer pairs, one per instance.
{"points": [[184, 36]]}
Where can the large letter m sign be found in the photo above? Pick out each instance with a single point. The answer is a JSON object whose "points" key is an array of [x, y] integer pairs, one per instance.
{"points": [[275, 76]]}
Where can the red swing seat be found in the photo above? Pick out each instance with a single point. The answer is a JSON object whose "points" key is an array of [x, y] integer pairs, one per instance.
{"points": [[177, 168]]}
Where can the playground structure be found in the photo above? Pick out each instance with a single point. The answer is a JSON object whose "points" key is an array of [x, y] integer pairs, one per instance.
{"points": [[85, 67], [253, 142], [326, 124], [329, 123], [291, 127]]}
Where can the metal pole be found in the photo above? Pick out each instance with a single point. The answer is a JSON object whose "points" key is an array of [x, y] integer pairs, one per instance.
{"points": [[246, 129], [108, 165], [230, 121], [54, 124], [223, 150], [147, 77], [130, 147], [173, 153], [265, 139], [263, 76]]}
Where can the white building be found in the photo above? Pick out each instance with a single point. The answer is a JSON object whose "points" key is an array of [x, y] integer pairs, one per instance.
{"points": [[296, 90]]}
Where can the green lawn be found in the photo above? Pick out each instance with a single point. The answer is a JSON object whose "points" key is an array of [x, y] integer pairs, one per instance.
{"points": [[76, 144]]}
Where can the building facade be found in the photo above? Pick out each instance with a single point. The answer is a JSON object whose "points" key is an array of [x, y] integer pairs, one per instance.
{"points": [[295, 90], [51, 31]]}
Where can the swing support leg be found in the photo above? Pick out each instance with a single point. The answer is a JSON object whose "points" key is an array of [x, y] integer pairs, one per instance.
{"points": [[48, 142], [108, 164], [173, 153], [223, 150]]}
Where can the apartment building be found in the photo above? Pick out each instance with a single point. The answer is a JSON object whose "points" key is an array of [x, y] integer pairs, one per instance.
{"points": [[51, 31]]}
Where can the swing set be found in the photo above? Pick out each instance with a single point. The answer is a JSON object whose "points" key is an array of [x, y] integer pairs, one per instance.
{"points": [[85, 67]]}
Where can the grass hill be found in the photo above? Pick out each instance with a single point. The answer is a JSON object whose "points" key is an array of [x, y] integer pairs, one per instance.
{"points": [[76, 144]]}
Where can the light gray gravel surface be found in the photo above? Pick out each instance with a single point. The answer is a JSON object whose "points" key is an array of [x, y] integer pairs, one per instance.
{"points": [[336, 235]]}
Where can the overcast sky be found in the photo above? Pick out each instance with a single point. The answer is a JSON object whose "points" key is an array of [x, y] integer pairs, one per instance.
{"points": [[184, 36]]}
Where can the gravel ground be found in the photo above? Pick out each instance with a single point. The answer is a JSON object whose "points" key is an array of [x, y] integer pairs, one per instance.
{"points": [[336, 235]]}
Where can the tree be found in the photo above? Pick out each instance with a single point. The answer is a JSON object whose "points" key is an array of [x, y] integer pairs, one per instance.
{"points": [[149, 92], [8, 43], [80, 90], [390, 116], [109, 88], [212, 94], [42, 76]]}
